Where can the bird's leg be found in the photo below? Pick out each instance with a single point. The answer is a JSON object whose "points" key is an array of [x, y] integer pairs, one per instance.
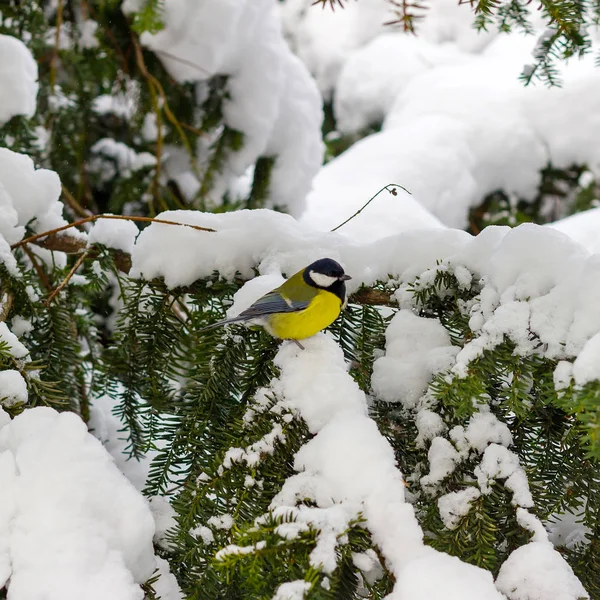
{"points": [[299, 344]]}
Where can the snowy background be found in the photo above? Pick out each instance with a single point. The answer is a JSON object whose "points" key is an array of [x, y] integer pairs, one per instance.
{"points": [[455, 124]]}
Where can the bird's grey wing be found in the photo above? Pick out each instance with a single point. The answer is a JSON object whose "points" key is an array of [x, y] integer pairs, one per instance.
{"points": [[269, 304]]}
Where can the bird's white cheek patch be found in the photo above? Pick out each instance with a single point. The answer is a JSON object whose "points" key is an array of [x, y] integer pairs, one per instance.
{"points": [[322, 280]]}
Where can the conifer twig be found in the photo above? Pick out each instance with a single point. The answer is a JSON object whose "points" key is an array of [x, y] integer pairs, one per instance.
{"points": [[92, 218], [66, 280], [390, 187]]}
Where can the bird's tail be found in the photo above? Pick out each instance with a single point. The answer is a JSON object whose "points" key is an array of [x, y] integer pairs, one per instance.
{"points": [[238, 319]]}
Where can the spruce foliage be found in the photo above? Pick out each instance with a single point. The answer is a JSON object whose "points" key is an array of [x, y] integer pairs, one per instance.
{"points": [[202, 404]]}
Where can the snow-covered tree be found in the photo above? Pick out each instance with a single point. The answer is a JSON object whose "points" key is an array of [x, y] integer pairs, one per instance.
{"points": [[441, 440]]}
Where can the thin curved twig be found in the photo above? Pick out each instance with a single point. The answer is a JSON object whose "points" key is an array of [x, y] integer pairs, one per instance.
{"points": [[390, 187]]}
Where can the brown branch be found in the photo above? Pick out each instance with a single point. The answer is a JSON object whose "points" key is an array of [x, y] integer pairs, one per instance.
{"points": [[37, 236], [38, 268], [67, 278], [54, 57], [74, 205], [153, 81], [371, 296], [5, 305]]}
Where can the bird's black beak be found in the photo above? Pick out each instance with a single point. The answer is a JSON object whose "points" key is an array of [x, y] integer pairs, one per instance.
{"points": [[345, 277]]}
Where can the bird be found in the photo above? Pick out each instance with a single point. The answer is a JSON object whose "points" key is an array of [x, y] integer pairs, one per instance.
{"points": [[306, 303]]}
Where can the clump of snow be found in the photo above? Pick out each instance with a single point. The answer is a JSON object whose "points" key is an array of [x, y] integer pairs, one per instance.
{"points": [[114, 233], [126, 159], [164, 520], [586, 367], [500, 463], [483, 428], [166, 586], [204, 533], [72, 525], [18, 79], [455, 505], [13, 388], [15, 347], [348, 467], [443, 458], [416, 349], [292, 590], [536, 571], [32, 195], [272, 100]]}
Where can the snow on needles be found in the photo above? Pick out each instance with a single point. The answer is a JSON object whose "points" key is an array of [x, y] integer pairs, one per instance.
{"points": [[71, 525], [348, 468], [273, 100]]}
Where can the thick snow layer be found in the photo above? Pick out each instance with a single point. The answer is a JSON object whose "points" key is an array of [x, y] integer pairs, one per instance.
{"points": [[586, 367], [72, 526], [27, 196], [18, 79], [538, 572], [457, 122], [114, 233], [416, 349], [272, 99], [15, 347], [529, 272], [349, 467], [582, 227], [13, 388]]}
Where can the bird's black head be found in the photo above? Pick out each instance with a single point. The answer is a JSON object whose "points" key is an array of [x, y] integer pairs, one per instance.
{"points": [[327, 274]]}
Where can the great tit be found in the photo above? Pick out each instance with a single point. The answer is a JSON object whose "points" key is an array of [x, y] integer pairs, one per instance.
{"points": [[306, 303]]}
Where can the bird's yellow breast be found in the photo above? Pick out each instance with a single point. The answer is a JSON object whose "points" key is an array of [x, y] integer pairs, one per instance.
{"points": [[322, 311]]}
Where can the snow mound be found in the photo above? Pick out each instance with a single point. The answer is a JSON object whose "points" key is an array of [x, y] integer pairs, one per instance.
{"points": [[18, 79], [273, 100], [71, 526]]}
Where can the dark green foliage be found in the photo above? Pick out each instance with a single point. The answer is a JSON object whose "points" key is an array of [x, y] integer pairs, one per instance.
{"points": [[555, 435], [562, 192]]}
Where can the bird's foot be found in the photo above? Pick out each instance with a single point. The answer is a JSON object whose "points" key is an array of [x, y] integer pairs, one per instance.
{"points": [[299, 344]]}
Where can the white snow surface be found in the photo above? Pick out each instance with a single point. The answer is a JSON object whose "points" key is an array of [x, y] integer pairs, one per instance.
{"points": [[457, 124], [348, 467], [114, 233], [13, 388], [536, 571], [528, 273], [416, 348], [28, 195], [273, 100], [582, 227], [18, 79], [72, 526]]}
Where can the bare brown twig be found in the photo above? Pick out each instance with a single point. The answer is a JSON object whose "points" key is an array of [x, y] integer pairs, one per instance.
{"points": [[66, 280], [38, 236]]}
